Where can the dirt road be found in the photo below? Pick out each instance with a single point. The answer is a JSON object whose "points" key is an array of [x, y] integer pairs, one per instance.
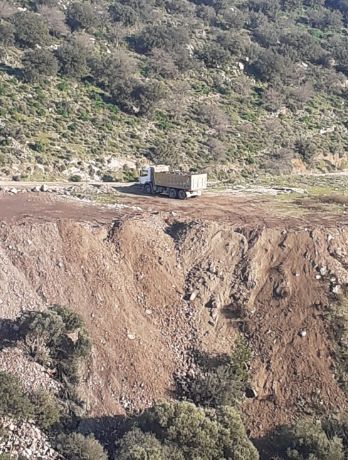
{"points": [[236, 210]]}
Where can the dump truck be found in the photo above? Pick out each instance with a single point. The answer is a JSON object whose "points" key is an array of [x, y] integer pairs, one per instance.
{"points": [[175, 184]]}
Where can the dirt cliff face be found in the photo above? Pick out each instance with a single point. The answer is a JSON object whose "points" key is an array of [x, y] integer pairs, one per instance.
{"points": [[152, 287]]}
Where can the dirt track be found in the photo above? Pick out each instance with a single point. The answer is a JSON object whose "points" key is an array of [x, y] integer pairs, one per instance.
{"points": [[236, 210], [130, 282]]}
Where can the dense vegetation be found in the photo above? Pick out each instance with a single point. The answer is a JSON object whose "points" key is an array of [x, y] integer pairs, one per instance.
{"points": [[252, 83]]}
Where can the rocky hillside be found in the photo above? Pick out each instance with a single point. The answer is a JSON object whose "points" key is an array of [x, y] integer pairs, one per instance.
{"points": [[93, 89]]}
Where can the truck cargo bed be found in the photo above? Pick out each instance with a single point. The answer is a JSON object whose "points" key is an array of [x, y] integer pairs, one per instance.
{"points": [[189, 182]]}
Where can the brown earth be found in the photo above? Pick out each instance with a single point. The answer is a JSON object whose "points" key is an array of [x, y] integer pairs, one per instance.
{"points": [[131, 273]]}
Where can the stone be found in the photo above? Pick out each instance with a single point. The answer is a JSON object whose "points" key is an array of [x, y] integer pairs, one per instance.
{"points": [[303, 334], [43, 188], [193, 295], [14, 191], [250, 393]]}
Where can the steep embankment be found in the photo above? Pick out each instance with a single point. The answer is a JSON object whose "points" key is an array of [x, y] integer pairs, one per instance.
{"points": [[151, 289]]}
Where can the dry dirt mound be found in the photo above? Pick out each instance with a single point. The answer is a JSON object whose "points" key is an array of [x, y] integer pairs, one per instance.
{"points": [[280, 282], [152, 287]]}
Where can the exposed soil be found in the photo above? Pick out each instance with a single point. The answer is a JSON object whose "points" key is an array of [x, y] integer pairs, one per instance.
{"points": [[131, 274]]}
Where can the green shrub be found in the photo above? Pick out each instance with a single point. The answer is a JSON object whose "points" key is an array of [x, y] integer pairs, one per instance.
{"points": [[75, 178], [63, 86], [82, 16], [46, 409], [7, 33], [12, 400], [38, 64], [78, 447], [240, 358], [39, 147], [31, 29], [57, 338], [186, 432], [306, 440], [2, 91], [72, 58], [84, 116]]}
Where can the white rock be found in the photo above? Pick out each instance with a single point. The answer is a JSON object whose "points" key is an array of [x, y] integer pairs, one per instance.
{"points": [[43, 188], [303, 333]]}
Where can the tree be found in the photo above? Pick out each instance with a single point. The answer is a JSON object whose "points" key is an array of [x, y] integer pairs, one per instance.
{"points": [[272, 99], [206, 13], [270, 8], [301, 46], [271, 66], [147, 96], [191, 432], [46, 409], [168, 38], [113, 69], [7, 33], [217, 149], [31, 29], [57, 338], [117, 34], [306, 440], [7, 9], [78, 447], [216, 118], [56, 20], [231, 18], [82, 16], [233, 42], [72, 58], [12, 400], [38, 64], [303, 93], [214, 55], [138, 445], [306, 149], [162, 63], [177, 102], [123, 13]]}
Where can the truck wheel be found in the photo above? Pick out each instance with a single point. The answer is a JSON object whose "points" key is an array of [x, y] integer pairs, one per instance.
{"points": [[148, 189], [182, 195], [172, 193]]}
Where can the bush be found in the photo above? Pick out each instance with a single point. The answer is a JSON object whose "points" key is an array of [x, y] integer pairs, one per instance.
{"points": [[75, 178], [72, 58], [12, 400], [78, 447], [31, 29], [7, 33], [38, 64]]}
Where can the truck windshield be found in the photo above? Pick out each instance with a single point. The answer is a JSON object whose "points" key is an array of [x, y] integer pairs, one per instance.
{"points": [[144, 173]]}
